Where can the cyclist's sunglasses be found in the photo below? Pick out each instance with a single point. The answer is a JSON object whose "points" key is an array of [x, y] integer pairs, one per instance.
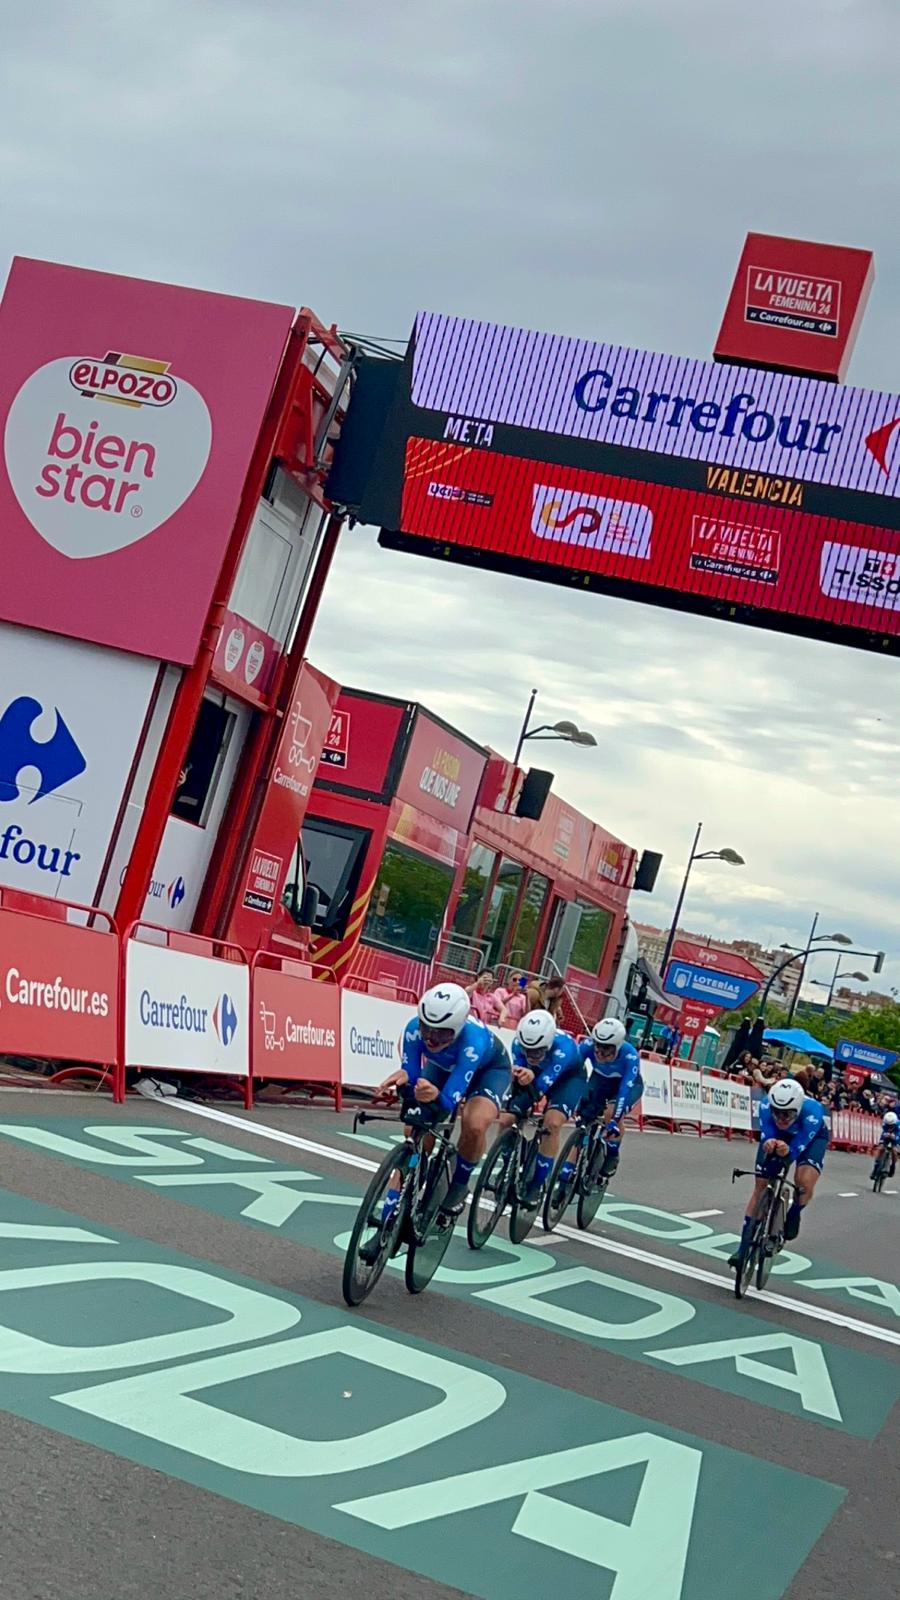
{"points": [[435, 1038], [784, 1118], [535, 1055]]}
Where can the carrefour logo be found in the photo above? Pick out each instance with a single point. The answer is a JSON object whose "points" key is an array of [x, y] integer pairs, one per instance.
{"points": [[742, 416], [57, 761], [225, 1019]]}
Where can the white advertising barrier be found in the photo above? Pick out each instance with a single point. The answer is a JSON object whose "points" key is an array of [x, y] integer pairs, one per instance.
{"points": [[185, 1012], [715, 1102], [656, 1100], [741, 1103], [370, 1037], [687, 1104]]}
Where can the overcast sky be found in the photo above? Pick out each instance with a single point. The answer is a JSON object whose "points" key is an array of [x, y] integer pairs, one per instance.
{"points": [[582, 166]]}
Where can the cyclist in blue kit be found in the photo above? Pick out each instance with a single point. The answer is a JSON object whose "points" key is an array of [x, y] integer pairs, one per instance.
{"points": [[545, 1061], [451, 1062], [615, 1085], [888, 1139], [792, 1127]]}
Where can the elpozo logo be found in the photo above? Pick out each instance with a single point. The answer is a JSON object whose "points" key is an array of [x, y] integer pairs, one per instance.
{"points": [[101, 451], [593, 522]]}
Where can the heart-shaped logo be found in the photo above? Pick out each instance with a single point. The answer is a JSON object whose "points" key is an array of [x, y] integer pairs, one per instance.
{"points": [[234, 648], [102, 451]]}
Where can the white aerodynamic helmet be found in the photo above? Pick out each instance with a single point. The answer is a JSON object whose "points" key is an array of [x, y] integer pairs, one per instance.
{"points": [[786, 1097], [536, 1031], [444, 1009], [609, 1033], [890, 1118]]}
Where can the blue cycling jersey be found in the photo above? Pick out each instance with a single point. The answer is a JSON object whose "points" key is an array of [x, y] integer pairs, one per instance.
{"points": [[809, 1125], [564, 1056], [452, 1068], [890, 1133], [614, 1079]]}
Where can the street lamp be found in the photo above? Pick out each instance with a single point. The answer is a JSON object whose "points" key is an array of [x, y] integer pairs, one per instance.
{"points": [[814, 938], [727, 854], [568, 732], [822, 983]]}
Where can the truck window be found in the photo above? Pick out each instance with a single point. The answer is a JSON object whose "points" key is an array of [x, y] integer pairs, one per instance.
{"points": [[333, 853], [406, 911]]}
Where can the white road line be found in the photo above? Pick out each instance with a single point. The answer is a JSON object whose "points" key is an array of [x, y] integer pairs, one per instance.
{"points": [[681, 1269], [695, 1216], [847, 1194]]}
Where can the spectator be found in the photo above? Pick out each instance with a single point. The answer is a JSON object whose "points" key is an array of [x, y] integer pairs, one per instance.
{"points": [[551, 996], [763, 1074], [485, 997], [514, 1000], [743, 1065]]}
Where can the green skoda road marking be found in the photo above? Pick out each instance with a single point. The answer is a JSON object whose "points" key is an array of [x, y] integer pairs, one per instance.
{"points": [[467, 1473], [713, 1344]]}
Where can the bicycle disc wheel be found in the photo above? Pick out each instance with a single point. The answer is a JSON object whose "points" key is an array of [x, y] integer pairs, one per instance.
{"points": [[360, 1276], [491, 1191], [433, 1233], [593, 1186], [559, 1193], [878, 1179], [523, 1211]]}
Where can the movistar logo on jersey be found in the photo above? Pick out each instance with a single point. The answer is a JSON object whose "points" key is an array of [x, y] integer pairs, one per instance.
{"points": [[740, 417]]}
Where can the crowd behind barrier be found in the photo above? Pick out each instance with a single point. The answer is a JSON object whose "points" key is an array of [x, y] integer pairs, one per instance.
{"points": [[154, 1001]]}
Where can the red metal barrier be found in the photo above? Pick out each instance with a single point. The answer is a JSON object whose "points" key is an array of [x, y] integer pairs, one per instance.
{"points": [[379, 988], [59, 985], [176, 1013], [296, 1032]]}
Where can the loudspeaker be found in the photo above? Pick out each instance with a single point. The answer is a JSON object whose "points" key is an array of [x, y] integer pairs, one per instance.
{"points": [[648, 869], [534, 794]]}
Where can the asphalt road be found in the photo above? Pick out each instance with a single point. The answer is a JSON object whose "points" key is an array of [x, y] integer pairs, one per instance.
{"points": [[631, 1335]]}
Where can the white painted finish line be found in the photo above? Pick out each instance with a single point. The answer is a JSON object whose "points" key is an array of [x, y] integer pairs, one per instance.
{"points": [[695, 1216], [681, 1269]]}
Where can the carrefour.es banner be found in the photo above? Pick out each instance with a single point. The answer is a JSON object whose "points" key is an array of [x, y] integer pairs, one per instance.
{"points": [[713, 988], [853, 1053]]}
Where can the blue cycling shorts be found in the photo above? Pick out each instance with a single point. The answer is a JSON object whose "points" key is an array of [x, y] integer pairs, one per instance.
{"points": [[603, 1092], [567, 1093], [813, 1156]]}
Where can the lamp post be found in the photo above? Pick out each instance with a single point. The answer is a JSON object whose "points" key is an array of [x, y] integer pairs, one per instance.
{"points": [[727, 854], [814, 938], [566, 731], [822, 983]]}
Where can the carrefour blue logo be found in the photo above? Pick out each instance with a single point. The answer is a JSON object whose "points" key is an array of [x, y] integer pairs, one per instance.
{"points": [[57, 760], [597, 390], [176, 892], [225, 1019]]}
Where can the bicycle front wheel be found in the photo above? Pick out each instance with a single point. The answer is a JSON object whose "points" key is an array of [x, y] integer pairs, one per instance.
{"points": [[432, 1231], [743, 1272], [525, 1203], [592, 1186], [771, 1242], [491, 1190], [560, 1190], [371, 1241]]}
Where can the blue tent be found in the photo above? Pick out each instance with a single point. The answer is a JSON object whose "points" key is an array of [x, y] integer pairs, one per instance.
{"points": [[798, 1039]]}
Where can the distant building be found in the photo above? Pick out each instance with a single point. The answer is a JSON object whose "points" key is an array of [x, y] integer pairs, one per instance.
{"points": [[853, 1000], [652, 944]]}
